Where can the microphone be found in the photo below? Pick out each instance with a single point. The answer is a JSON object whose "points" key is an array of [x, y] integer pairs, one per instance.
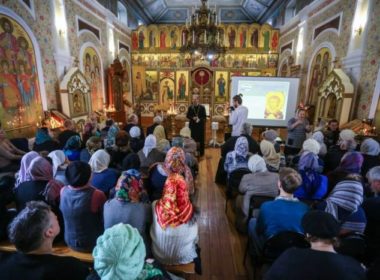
{"points": [[232, 108]]}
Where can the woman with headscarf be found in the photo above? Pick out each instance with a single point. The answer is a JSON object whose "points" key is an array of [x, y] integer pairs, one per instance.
{"points": [[130, 204], [309, 146], [238, 158], [174, 231], [189, 145], [93, 144], [110, 140], [72, 148], [191, 160], [260, 182], [44, 142], [103, 178], [42, 185], [163, 145], [314, 185], [271, 158], [149, 154], [346, 143], [60, 162], [271, 136], [350, 163], [23, 174], [120, 254], [175, 163], [370, 150], [135, 142], [319, 137], [344, 204]]}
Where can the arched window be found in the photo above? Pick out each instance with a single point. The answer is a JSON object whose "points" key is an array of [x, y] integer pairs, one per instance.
{"points": [[122, 13]]}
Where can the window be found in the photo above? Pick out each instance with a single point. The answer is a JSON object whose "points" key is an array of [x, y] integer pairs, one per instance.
{"points": [[122, 13]]}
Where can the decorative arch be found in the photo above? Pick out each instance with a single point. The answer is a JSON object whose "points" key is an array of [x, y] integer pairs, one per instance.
{"points": [[315, 75], [284, 61], [23, 58], [94, 78]]}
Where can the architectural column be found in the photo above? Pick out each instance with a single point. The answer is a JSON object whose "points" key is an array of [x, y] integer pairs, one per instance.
{"points": [[357, 44], [62, 56]]}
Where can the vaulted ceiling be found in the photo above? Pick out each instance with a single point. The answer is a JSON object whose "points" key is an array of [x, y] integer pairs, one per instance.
{"points": [[229, 11]]}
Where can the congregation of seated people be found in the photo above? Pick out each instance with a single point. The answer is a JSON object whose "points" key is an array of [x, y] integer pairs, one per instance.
{"points": [[107, 190], [128, 199], [325, 192]]}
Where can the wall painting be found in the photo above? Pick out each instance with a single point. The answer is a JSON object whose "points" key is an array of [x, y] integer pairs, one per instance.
{"points": [[182, 81], [221, 86]]}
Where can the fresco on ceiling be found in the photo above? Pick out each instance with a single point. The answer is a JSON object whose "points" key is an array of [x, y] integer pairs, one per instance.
{"points": [[234, 15], [20, 100]]}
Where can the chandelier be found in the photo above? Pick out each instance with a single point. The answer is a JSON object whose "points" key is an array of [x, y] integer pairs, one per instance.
{"points": [[203, 36]]}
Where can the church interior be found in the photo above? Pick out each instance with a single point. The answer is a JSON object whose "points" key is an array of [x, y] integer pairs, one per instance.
{"points": [[152, 86]]}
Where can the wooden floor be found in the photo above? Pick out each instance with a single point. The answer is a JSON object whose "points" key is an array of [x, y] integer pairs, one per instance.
{"points": [[222, 247]]}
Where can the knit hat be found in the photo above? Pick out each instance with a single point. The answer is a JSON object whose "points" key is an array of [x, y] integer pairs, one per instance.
{"points": [[270, 135], [320, 224], [312, 146], [347, 135], [185, 132], [256, 164], [119, 253], [78, 173], [135, 132]]}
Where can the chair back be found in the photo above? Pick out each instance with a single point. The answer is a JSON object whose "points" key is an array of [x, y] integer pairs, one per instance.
{"points": [[282, 241], [234, 180], [256, 201], [352, 244]]}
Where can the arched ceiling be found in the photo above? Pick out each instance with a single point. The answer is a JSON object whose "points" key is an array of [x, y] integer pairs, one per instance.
{"points": [[229, 11]]}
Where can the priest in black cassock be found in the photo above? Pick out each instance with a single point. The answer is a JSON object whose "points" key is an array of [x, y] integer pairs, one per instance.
{"points": [[197, 116]]}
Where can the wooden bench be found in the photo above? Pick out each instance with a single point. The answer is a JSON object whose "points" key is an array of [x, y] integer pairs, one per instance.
{"points": [[63, 250], [188, 268], [59, 250]]}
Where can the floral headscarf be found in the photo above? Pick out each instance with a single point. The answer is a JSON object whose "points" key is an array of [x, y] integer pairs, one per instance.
{"points": [[111, 136], [174, 208], [130, 186], [175, 163], [351, 162], [23, 174]]}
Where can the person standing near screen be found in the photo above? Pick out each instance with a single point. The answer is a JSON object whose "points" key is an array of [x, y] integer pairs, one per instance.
{"points": [[297, 129], [239, 115], [196, 113]]}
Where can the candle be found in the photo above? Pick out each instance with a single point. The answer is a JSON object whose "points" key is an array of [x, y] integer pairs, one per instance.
{"points": [[193, 37], [208, 20], [205, 36]]}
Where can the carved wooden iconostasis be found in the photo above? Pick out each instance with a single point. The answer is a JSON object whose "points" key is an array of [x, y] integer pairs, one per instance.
{"points": [[172, 77], [75, 93], [335, 97]]}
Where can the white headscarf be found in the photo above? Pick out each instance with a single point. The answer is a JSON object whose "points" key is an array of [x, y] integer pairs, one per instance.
{"points": [[99, 161], [256, 164], [370, 147], [150, 144], [135, 132], [311, 145], [58, 157]]}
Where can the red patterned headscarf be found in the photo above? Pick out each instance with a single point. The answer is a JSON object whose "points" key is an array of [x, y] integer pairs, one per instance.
{"points": [[175, 163], [174, 208]]}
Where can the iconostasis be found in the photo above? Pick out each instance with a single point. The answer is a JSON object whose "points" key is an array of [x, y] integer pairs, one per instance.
{"points": [[164, 77]]}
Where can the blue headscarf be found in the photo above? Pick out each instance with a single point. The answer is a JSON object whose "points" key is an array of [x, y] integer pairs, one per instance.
{"points": [[42, 136], [308, 167], [111, 136], [72, 148]]}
